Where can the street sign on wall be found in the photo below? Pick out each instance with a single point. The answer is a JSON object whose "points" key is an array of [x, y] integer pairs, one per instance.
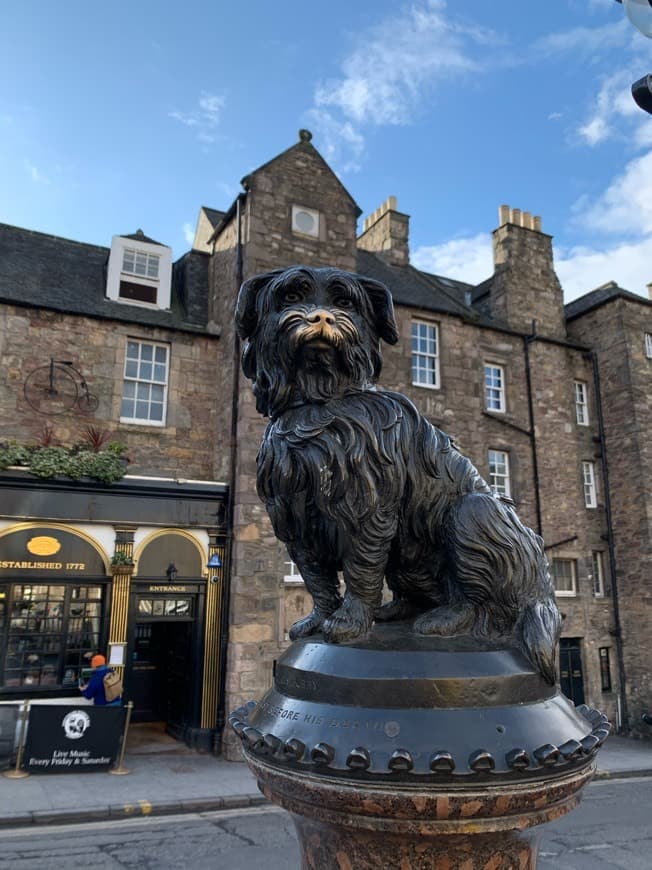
{"points": [[68, 739]]}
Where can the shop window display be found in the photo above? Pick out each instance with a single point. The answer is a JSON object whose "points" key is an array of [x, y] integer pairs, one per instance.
{"points": [[48, 634]]}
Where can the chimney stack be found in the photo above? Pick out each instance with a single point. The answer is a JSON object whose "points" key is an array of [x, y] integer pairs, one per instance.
{"points": [[507, 215], [525, 287], [386, 232]]}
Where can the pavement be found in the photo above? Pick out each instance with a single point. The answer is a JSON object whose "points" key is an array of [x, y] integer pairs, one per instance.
{"points": [[165, 777]]}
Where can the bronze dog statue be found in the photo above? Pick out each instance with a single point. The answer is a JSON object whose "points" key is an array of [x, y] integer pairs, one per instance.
{"points": [[356, 481]]}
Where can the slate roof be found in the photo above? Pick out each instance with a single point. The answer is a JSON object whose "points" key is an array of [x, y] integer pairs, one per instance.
{"points": [[139, 236], [213, 215], [44, 271], [410, 286], [600, 296]]}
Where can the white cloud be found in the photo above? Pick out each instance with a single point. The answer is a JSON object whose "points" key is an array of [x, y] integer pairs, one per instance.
{"points": [[35, 174], [340, 142], [469, 259], [613, 103], [582, 269], [395, 64], [587, 42], [189, 233], [205, 118], [626, 205]]}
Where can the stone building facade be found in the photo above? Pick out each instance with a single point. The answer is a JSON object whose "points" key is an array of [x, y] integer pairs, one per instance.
{"points": [[550, 402]]}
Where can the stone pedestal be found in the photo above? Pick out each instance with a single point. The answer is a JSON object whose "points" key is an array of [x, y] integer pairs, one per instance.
{"points": [[408, 752]]}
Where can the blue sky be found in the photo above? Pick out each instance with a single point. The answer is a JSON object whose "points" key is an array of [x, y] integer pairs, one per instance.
{"points": [[130, 115]]}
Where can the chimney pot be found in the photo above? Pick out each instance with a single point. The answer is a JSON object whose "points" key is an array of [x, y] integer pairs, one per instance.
{"points": [[536, 223], [649, 290], [526, 220], [503, 215], [516, 216], [392, 203]]}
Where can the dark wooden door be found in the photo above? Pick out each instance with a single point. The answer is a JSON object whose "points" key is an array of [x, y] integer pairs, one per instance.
{"points": [[571, 673]]}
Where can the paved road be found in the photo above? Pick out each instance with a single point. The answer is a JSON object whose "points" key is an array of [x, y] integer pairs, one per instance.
{"points": [[611, 829]]}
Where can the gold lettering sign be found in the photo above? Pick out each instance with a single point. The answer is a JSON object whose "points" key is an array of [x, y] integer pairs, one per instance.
{"points": [[42, 566], [43, 545], [167, 588]]}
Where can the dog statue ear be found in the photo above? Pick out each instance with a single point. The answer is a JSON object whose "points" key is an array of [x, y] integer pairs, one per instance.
{"points": [[246, 310], [383, 308]]}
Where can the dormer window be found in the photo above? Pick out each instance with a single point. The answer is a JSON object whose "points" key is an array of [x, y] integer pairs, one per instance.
{"points": [[140, 271]]}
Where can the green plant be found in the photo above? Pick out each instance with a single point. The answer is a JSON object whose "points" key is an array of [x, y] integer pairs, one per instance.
{"points": [[12, 453], [121, 558], [48, 460]]}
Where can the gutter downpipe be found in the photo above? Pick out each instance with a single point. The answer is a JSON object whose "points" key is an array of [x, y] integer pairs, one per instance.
{"points": [[224, 627], [618, 635], [535, 462]]}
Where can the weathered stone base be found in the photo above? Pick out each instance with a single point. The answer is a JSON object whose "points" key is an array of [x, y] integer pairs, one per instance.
{"points": [[354, 826]]}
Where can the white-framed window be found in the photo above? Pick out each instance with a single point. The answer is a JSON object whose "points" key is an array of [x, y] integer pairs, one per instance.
{"points": [[305, 221], [135, 262], [499, 472], [588, 479], [581, 403], [648, 345], [494, 387], [564, 576], [597, 574], [145, 385], [425, 354], [292, 576]]}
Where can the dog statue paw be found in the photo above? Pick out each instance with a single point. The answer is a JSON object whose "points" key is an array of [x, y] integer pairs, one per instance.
{"points": [[355, 479]]}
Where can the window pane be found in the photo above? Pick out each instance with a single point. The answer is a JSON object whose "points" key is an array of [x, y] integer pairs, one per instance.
{"points": [[143, 371]]}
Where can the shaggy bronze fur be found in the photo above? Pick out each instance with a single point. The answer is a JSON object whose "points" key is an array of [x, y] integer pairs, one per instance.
{"points": [[356, 481]]}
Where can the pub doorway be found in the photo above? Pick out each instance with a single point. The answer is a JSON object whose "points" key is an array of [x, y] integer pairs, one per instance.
{"points": [[159, 676], [163, 678]]}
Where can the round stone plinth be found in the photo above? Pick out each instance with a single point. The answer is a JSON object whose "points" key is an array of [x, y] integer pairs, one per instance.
{"points": [[410, 752], [343, 826]]}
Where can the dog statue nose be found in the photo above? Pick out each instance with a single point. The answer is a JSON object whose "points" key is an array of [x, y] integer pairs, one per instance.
{"points": [[320, 315]]}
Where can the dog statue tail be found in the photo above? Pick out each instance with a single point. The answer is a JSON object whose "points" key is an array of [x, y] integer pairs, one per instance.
{"points": [[537, 631]]}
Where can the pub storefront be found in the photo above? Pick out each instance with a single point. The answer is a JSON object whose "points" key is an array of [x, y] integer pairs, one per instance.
{"points": [[150, 596]]}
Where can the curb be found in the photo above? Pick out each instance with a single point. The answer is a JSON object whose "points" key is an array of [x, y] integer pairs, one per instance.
{"points": [[145, 808], [622, 774], [138, 809]]}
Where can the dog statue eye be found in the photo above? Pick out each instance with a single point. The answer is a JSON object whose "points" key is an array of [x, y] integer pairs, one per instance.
{"points": [[343, 302], [291, 296]]}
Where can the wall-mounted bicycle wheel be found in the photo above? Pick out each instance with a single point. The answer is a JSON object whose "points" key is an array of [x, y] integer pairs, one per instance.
{"points": [[51, 390], [87, 403]]}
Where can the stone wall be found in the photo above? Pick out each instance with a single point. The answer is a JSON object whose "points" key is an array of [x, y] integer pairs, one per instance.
{"points": [[617, 331], [183, 447]]}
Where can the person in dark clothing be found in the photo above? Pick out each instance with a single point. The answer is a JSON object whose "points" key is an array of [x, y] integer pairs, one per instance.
{"points": [[94, 689]]}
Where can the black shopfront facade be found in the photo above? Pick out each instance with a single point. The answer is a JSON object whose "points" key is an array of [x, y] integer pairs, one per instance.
{"points": [[136, 571]]}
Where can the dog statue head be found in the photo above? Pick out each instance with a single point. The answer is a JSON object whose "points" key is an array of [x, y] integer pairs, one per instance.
{"points": [[313, 334]]}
